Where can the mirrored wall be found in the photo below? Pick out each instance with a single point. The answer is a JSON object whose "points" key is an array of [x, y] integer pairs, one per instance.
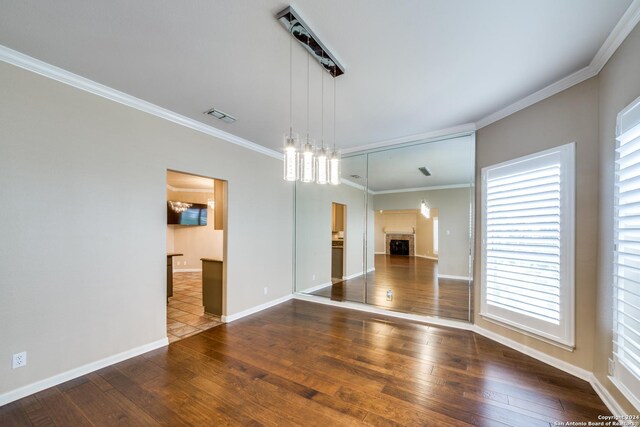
{"points": [[396, 234]]}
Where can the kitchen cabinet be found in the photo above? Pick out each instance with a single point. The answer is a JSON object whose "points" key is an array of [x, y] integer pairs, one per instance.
{"points": [[212, 286]]}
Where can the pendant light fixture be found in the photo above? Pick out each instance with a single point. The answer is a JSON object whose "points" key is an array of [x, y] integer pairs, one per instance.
{"points": [[322, 165], [424, 209], [306, 164], [291, 158], [334, 160]]}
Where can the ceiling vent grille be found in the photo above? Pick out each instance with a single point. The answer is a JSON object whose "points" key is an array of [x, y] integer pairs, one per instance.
{"points": [[220, 115], [425, 171]]}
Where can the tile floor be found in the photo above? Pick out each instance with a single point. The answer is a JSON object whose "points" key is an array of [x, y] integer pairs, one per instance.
{"points": [[185, 313]]}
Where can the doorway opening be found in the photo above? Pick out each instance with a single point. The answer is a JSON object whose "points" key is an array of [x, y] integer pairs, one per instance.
{"points": [[196, 250], [338, 226]]}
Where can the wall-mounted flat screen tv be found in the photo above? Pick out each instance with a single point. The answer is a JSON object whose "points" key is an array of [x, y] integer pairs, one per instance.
{"points": [[184, 213]]}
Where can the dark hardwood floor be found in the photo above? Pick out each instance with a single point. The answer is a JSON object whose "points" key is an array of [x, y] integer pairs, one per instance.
{"points": [[302, 363], [415, 285]]}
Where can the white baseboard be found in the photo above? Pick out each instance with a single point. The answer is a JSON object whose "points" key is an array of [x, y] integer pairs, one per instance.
{"points": [[459, 324], [427, 257], [30, 389], [318, 287], [536, 354], [569, 368], [606, 397], [448, 276], [230, 318], [187, 270], [379, 253]]}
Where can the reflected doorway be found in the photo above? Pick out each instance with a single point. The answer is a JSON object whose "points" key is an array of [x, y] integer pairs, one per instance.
{"points": [[338, 226]]}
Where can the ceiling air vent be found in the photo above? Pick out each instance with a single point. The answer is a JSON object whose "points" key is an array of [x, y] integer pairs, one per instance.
{"points": [[220, 115], [424, 171]]}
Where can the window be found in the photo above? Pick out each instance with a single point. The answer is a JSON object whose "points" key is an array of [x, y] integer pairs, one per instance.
{"points": [[435, 235], [528, 244], [626, 279]]}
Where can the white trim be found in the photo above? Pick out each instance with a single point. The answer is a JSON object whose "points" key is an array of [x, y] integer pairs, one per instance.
{"points": [[625, 25], [430, 257], [54, 380], [379, 253], [452, 132], [449, 276], [248, 312], [517, 328], [186, 270], [458, 324], [625, 392], [562, 334], [353, 276], [620, 32], [409, 190], [63, 76], [189, 190], [536, 354], [318, 287]]}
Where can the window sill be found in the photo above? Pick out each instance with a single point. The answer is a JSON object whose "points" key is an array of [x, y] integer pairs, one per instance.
{"points": [[505, 324]]}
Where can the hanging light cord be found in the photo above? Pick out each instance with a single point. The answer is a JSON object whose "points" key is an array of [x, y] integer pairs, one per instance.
{"points": [[291, 82], [322, 107], [308, 84], [334, 114]]}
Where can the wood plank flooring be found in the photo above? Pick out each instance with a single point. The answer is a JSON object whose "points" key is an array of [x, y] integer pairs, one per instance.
{"points": [[415, 285], [309, 364]]}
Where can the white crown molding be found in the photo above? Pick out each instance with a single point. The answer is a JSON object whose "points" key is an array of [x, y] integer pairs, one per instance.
{"points": [[189, 190], [431, 136], [625, 25], [411, 190], [620, 32], [26, 62], [60, 378]]}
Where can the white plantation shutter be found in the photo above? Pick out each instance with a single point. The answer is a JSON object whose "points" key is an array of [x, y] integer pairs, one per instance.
{"points": [[527, 244], [626, 337]]}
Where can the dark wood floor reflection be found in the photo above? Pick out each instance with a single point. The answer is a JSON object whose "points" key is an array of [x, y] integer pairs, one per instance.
{"points": [[415, 285], [309, 364]]}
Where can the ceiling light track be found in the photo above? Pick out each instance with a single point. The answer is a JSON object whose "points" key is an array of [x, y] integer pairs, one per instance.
{"points": [[303, 34]]}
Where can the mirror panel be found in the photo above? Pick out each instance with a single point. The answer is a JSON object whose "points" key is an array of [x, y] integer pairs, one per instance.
{"points": [[394, 256]]}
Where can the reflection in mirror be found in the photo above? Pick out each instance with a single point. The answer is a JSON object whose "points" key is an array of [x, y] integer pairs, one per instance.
{"points": [[407, 230], [329, 229]]}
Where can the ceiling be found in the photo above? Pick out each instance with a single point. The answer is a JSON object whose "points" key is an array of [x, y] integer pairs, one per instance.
{"points": [[451, 163], [412, 66], [184, 181]]}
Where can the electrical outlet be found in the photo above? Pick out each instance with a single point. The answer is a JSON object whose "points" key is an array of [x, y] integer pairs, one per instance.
{"points": [[19, 360], [266, 290], [389, 295], [313, 277], [612, 367]]}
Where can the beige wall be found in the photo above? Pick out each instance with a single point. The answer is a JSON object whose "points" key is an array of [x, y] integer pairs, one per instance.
{"points": [[406, 221], [191, 241], [83, 263], [454, 210], [619, 86], [569, 116], [313, 232]]}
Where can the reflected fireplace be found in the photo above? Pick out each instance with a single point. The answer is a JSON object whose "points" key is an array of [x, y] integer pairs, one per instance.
{"points": [[399, 247]]}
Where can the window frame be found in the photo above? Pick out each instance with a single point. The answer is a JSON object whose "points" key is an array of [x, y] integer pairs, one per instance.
{"points": [[620, 375], [562, 335]]}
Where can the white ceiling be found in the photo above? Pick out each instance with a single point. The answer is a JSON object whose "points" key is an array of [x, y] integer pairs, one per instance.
{"points": [[412, 66], [451, 163], [183, 181]]}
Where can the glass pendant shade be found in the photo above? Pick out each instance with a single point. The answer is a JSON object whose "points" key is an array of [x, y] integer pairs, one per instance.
{"points": [[322, 167], [334, 169], [424, 209], [290, 159], [307, 163]]}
